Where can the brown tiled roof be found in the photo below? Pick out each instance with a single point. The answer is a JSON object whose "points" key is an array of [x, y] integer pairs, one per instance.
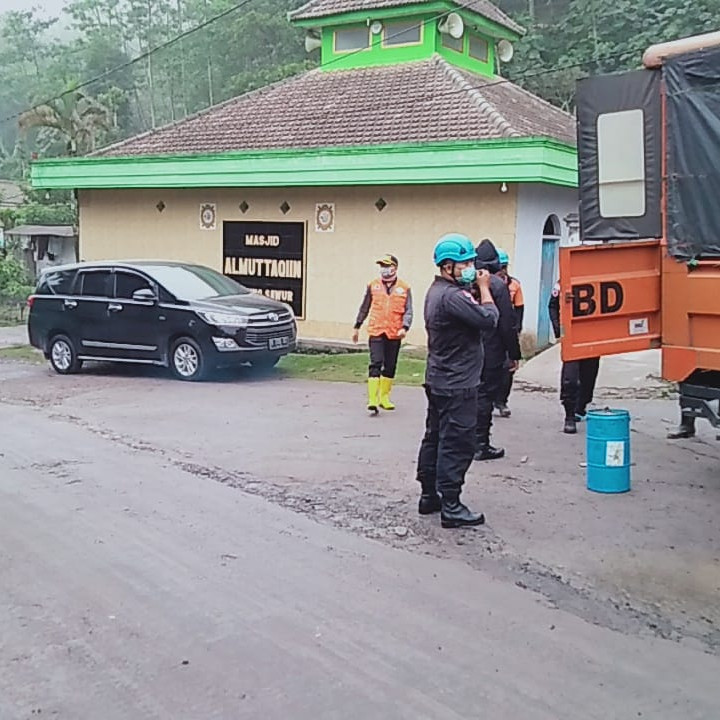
{"points": [[421, 102], [324, 8]]}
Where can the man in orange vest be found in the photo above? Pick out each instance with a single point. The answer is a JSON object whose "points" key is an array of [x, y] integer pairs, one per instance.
{"points": [[388, 302]]}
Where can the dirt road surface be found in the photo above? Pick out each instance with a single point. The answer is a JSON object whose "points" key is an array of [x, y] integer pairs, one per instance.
{"points": [[250, 549]]}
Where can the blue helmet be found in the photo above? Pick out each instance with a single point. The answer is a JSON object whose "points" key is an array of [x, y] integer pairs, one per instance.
{"points": [[504, 257], [455, 247]]}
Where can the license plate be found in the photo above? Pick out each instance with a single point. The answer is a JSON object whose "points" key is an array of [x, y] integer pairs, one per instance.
{"points": [[278, 343]]}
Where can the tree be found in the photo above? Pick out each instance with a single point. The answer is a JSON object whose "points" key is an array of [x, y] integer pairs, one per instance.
{"points": [[254, 45], [570, 39], [22, 33], [78, 118], [24, 60], [15, 283]]}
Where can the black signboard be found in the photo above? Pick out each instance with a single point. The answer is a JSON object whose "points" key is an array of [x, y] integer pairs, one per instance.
{"points": [[268, 258]]}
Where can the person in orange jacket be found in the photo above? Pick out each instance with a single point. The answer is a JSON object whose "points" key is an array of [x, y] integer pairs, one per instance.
{"points": [[388, 303]]}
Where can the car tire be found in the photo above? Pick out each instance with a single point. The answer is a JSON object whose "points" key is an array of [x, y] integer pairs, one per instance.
{"points": [[62, 355], [187, 360]]}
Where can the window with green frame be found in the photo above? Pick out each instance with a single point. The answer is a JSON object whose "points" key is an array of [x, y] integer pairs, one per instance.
{"points": [[478, 48], [349, 39], [451, 43], [406, 32]]}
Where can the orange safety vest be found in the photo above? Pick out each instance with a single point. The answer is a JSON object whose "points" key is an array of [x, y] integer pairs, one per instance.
{"points": [[387, 308], [516, 293]]}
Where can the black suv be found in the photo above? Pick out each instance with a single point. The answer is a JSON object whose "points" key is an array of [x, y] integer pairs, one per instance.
{"points": [[187, 317]]}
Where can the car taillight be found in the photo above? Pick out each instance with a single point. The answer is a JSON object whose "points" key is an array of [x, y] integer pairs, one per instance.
{"points": [[30, 301]]}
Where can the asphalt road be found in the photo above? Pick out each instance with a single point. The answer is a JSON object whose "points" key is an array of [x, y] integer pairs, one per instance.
{"points": [[136, 582]]}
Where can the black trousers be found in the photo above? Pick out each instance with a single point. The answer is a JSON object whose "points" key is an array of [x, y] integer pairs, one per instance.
{"points": [[488, 394], [383, 356], [505, 387], [448, 446], [577, 384]]}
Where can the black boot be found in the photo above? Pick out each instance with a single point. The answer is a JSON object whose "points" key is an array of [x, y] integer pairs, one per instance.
{"points": [[570, 427], [503, 410], [685, 430], [429, 499], [429, 504], [454, 514], [487, 452]]}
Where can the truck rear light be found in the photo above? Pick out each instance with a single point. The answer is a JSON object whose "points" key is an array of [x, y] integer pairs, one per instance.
{"points": [[30, 301]]}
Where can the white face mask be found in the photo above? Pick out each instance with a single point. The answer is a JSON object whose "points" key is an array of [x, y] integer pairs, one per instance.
{"points": [[388, 273]]}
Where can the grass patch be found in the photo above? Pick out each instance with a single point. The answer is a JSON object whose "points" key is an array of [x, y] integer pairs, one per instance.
{"points": [[350, 367], [22, 353]]}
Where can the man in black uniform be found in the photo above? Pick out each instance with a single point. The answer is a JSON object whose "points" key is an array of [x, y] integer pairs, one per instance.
{"points": [[500, 345], [577, 378], [455, 322]]}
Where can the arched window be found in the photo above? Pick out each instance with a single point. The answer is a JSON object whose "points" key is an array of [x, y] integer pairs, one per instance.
{"points": [[551, 229]]}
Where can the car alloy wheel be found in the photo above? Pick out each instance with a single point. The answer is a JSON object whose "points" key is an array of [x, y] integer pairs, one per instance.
{"points": [[186, 360], [61, 355]]}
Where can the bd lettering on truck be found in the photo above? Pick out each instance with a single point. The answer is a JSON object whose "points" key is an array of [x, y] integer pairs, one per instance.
{"points": [[647, 271], [591, 298]]}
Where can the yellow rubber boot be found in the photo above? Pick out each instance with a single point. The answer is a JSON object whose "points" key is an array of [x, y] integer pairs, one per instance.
{"points": [[373, 393], [385, 390]]}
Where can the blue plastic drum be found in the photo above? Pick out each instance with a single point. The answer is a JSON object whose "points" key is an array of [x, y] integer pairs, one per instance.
{"points": [[608, 451]]}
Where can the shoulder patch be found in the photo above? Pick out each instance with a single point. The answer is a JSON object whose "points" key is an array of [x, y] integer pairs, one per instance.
{"points": [[469, 296]]}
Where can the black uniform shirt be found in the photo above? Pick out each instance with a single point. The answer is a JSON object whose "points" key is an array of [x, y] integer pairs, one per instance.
{"points": [[455, 322], [503, 342]]}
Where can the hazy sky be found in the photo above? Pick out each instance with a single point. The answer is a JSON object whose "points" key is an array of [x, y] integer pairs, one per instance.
{"points": [[48, 7]]}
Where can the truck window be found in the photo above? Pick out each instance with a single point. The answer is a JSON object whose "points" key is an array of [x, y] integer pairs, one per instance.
{"points": [[621, 163]]}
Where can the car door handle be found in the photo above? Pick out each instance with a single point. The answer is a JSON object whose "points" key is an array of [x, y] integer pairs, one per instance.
{"points": [[70, 303], [114, 307]]}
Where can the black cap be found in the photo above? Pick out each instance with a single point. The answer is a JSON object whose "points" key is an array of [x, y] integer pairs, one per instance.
{"points": [[487, 257]]}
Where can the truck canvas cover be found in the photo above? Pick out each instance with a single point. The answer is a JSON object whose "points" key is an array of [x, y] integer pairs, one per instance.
{"points": [[601, 97], [692, 86]]}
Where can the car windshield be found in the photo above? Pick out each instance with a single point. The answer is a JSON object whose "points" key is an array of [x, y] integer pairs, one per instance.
{"points": [[193, 282]]}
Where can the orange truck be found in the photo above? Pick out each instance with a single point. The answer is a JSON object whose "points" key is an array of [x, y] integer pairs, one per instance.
{"points": [[647, 271]]}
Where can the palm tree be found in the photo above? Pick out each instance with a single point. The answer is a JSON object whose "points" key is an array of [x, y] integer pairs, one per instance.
{"points": [[77, 117]]}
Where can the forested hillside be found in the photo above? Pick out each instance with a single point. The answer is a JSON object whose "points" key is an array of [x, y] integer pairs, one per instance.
{"points": [[106, 80]]}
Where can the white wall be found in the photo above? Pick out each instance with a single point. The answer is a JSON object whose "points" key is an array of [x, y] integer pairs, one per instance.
{"points": [[127, 223], [535, 203], [63, 251]]}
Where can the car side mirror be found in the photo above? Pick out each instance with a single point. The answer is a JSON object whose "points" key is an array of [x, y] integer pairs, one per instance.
{"points": [[144, 295]]}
